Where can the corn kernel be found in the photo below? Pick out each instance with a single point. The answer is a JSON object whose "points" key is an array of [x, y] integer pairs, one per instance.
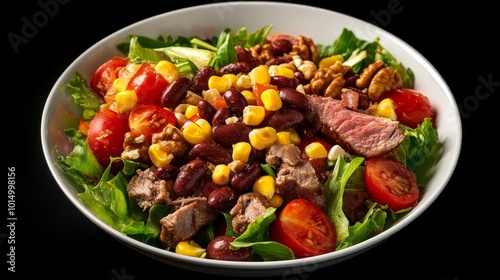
{"points": [[265, 186], [271, 99], [124, 101], [316, 150], [249, 96], [335, 152], [158, 156], [253, 114], [221, 174], [275, 70], [231, 77], [190, 248], [329, 61], [191, 110], [284, 138], [261, 138], [119, 84], [206, 128], [243, 82], [194, 134], [294, 136], [221, 84], [241, 151], [168, 70], [276, 201], [386, 109], [260, 75]]}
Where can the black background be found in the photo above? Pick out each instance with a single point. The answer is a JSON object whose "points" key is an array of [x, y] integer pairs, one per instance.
{"points": [[453, 239]]}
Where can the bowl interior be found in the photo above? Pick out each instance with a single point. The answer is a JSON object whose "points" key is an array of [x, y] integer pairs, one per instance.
{"points": [[323, 26]]}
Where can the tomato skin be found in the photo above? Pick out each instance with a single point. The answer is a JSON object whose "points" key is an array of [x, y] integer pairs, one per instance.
{"points": [[383, 187], [149, 119], [148, 84], [105, 135], [104, 76], [411, 106], [304, 228]]}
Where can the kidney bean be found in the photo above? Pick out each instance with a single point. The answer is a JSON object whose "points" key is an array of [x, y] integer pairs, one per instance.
{"points": [[206, 188], [281, 46], [293, 98], [218, 249], [190, 177], [235, 100], [243, 180], [211, 152], [222, 198], [246, 56], [282, 81], [175, 92], [200, 79], [206, 110], [277, 61], [301, 78], [167, 172], [235, 68], [220, 116], [283, 119], [229, 134], [351, 80]]}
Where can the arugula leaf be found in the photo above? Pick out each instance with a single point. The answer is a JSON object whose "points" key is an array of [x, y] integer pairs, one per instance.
{"points": [[83, 96]]}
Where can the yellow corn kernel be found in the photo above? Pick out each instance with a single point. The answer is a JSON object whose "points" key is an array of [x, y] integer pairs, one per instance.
{"points": [[386, 109], [253, 114], [191, 110], [265, 186], [261, 138], [168, 70], [276, 70], [125, 101], [119, 84], [260, 75], [206, 128], [335, 152], [194, 134], [271, 99], [221, 84], [276, 201], [249, 97], [243, 82], [158, 156], [284, 138], [190, 248], [329, 61], [294, 136], [316, 150], [231, 77], [241, 151], [221, 174]]}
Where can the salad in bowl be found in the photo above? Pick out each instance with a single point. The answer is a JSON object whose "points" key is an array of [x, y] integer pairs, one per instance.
{"points": [[249, 146]]}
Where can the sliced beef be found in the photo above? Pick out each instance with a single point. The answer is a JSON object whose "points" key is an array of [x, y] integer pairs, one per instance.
{"points": [[360, 134], [189, 216], [250, 207], [147, 190], [295, 177]]}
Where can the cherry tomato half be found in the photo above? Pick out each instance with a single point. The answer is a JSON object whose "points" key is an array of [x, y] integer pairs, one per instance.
{"points": [[390, 183], [105, 135], [149, 119], [104, 76], [304, 228], [148, 84], [411, 106]]}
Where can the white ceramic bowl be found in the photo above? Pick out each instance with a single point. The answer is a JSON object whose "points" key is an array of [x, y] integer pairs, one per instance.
{"points": [[208, 20]]}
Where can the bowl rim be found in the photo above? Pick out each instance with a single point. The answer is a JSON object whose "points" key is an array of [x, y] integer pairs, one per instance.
{"points": [[185, 261]]}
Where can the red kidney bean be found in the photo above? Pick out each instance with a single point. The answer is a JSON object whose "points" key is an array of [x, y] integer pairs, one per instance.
{"points": [[293, 98], [283, 119], [235, 100], [300, 77], [277, 61], [200, 79], [222, 198], [206, 188], [175, 92], [167, 172], [220, 116], [190, 177], [351, 80], [281, 46], [282, 81], [218, 249], [206, 110], [243, 180], [246, 56], [210, 152], [235, 68], [229, 134]]}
